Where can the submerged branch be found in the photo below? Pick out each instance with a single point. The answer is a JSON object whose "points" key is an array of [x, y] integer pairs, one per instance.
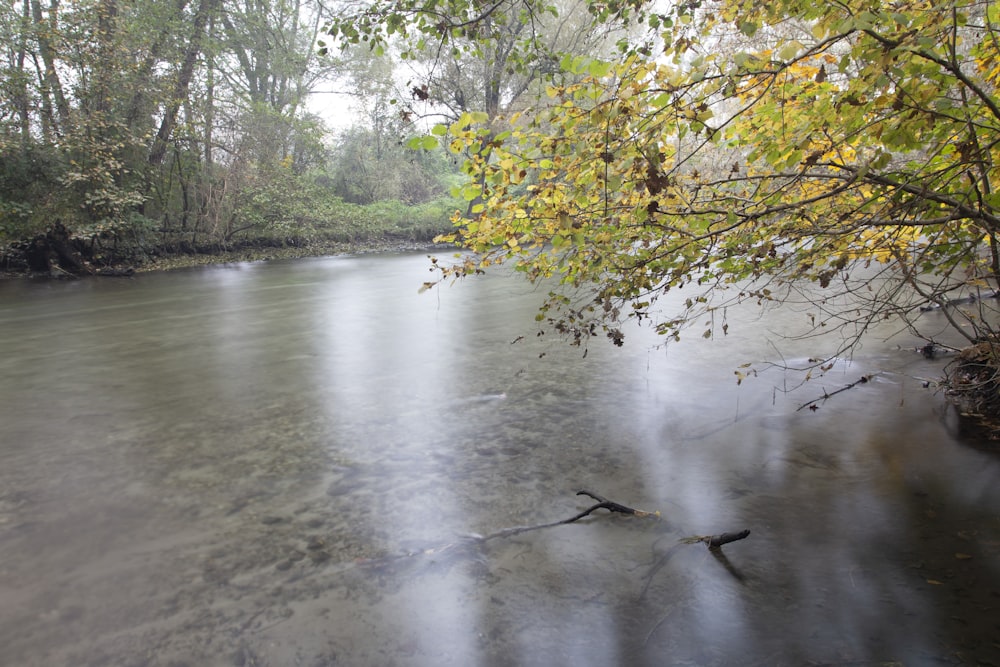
{"points": [[714, 542], [603, 503], [812, 404], [717, 541]]}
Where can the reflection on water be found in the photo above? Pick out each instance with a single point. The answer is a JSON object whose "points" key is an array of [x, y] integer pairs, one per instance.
{"points": [[279, 464]]}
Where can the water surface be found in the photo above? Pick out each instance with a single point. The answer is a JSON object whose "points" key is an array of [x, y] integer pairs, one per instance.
{"points": [[280, 464]]}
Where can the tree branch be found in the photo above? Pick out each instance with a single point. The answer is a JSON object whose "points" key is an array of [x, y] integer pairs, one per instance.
{"points": [[812, 404]]}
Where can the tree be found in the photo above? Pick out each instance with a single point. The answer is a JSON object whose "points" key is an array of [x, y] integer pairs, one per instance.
{"points": [[504, 56], [235, 127], [71, 140], [369, 159], [493, 63], [183, 78], [121, 117], [747, 150]]}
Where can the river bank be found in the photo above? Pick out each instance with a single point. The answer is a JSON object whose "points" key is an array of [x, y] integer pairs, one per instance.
{"points": [[264, 253], [60, 256]]}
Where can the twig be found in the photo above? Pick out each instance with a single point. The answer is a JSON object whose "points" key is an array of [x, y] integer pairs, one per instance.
{"points": [[608, 505], [603, 503], [812, 404], [714, 543], [717, 541]]}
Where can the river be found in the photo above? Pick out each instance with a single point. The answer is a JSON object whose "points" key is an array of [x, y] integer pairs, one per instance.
{"points": [[287, 464]]}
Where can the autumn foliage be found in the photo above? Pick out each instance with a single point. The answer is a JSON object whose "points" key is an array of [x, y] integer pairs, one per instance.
{"points": [[746, 149]]}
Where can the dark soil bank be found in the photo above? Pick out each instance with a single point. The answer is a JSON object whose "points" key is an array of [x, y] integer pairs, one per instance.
{"points": [[60, 255]]}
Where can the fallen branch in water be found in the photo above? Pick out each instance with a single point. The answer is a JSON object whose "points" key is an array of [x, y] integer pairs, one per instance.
{"points": [[812, 404], [717, 541], [602, 503], [714, 543], [474, 539]]}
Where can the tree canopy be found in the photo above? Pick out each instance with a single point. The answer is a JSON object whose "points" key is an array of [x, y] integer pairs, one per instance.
{"points": [[131, 133], [849, 148]]}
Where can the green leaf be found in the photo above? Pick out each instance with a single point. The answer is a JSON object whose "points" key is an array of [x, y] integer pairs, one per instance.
{"points": [[599, 69], [662, 100]]}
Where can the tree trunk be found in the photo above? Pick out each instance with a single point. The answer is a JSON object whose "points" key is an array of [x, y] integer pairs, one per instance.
{"points": [[209, 100], [51, 85], [21, 96], [107, 13], [138, 108], [183, 83]]}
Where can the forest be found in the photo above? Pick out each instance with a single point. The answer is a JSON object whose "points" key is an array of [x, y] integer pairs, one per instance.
{"points": [[143, 130]]}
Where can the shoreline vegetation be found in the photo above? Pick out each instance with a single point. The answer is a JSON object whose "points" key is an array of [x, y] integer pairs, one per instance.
{"points": [[252, 250], [13, 266], [61, 253]]}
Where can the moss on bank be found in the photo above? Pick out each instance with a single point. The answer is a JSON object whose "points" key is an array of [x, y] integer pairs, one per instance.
{"points": [[314, 227]]}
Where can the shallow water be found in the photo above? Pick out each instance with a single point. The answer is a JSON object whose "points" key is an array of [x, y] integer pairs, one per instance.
{"points": [[280, 464]]}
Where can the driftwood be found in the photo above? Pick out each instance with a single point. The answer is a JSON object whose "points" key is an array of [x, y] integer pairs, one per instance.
{"points": [[602, 503], [812, 404], [717, 541], [714, 544], [472, 541]]}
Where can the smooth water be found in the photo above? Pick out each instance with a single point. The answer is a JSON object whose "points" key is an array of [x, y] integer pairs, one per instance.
{"points": [[281, 464]]}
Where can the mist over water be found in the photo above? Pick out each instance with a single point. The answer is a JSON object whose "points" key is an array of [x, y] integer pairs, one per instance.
{"points": [[280, 464]]}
